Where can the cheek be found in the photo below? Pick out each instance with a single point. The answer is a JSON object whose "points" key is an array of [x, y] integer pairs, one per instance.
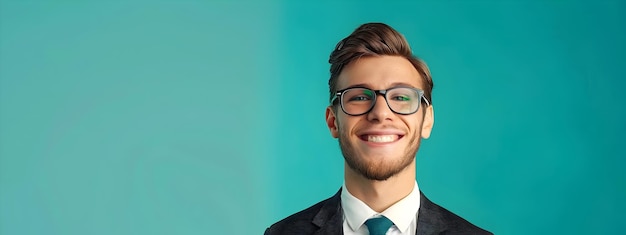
{"points": [[341, 126], [345, 125], [414, 124]]}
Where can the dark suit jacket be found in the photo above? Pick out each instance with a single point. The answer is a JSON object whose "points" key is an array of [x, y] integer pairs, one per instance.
{"points": [[326, 217]]}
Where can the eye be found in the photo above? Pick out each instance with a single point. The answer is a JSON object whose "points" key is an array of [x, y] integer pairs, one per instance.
{"points": [[401, 98], [360, 98], [359, 95]]}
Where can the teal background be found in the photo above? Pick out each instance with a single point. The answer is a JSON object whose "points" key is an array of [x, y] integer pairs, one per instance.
{"points": [[198, 117]]}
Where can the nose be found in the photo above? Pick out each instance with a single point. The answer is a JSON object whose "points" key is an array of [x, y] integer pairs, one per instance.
{"points": [[380, 112]]}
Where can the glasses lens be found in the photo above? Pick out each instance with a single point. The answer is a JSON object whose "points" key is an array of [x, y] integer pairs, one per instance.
{"points": [[403, 100], [357, 101]]}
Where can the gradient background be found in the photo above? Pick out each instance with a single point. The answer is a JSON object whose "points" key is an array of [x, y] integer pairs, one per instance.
{"points": [[194, 117]]}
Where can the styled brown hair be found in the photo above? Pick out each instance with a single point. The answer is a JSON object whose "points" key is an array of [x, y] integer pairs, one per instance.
{"points": [[375, 39]]}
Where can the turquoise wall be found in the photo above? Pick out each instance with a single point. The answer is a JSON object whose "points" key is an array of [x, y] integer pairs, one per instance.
{"points": [[198, 117]]}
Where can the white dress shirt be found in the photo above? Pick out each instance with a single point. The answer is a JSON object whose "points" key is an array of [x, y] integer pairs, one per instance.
{"points": [[403, 214]]}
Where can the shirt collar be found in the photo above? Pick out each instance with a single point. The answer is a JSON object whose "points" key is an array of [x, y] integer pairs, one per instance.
{"points": [[402, 213]]}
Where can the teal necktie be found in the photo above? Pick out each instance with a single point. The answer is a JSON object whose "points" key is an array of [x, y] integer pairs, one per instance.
{"points": [[378, 226]]}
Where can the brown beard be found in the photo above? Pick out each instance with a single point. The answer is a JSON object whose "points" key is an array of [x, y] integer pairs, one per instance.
{"points": [[377, 170]]}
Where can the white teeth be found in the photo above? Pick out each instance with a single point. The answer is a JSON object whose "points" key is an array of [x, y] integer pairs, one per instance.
{"points": [[380, 138]]}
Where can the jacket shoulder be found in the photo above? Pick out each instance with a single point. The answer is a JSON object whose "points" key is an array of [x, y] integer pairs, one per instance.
{"points": [[458, 225], [301, 222], [450, 222]]}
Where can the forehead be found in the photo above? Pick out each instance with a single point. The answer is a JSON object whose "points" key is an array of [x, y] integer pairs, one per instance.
{"points": [[379, 72]]}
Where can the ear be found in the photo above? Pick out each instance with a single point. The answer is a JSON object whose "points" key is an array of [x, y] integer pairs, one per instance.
{"points": [[429, 120], [331, 122]]}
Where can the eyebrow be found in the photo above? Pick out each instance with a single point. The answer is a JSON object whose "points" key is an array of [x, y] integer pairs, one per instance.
{"points": [[395, 84]]}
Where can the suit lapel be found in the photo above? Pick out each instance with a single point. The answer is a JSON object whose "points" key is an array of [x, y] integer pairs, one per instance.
{"points": [[329, 219], [429, 219]]}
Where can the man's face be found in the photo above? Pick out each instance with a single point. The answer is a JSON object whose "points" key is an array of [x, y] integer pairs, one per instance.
{"points": [[381, 143]]}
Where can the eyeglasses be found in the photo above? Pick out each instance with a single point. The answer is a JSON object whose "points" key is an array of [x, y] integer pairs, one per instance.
{"points": [[357, 101]]}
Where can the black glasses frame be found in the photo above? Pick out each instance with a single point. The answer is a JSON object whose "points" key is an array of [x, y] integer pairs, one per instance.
{"points": [[340, 93]]}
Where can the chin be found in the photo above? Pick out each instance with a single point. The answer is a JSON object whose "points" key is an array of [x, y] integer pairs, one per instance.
{"points": [[378, 163]]}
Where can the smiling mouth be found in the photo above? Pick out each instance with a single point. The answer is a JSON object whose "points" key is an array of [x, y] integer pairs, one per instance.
{"points": [[380, 138]]}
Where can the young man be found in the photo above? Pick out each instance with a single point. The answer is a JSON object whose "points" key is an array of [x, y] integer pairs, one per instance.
{"points": [[380, 108]]}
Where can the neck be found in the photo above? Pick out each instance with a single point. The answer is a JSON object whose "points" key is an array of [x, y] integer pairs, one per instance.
{"points": [[380, 195]]}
